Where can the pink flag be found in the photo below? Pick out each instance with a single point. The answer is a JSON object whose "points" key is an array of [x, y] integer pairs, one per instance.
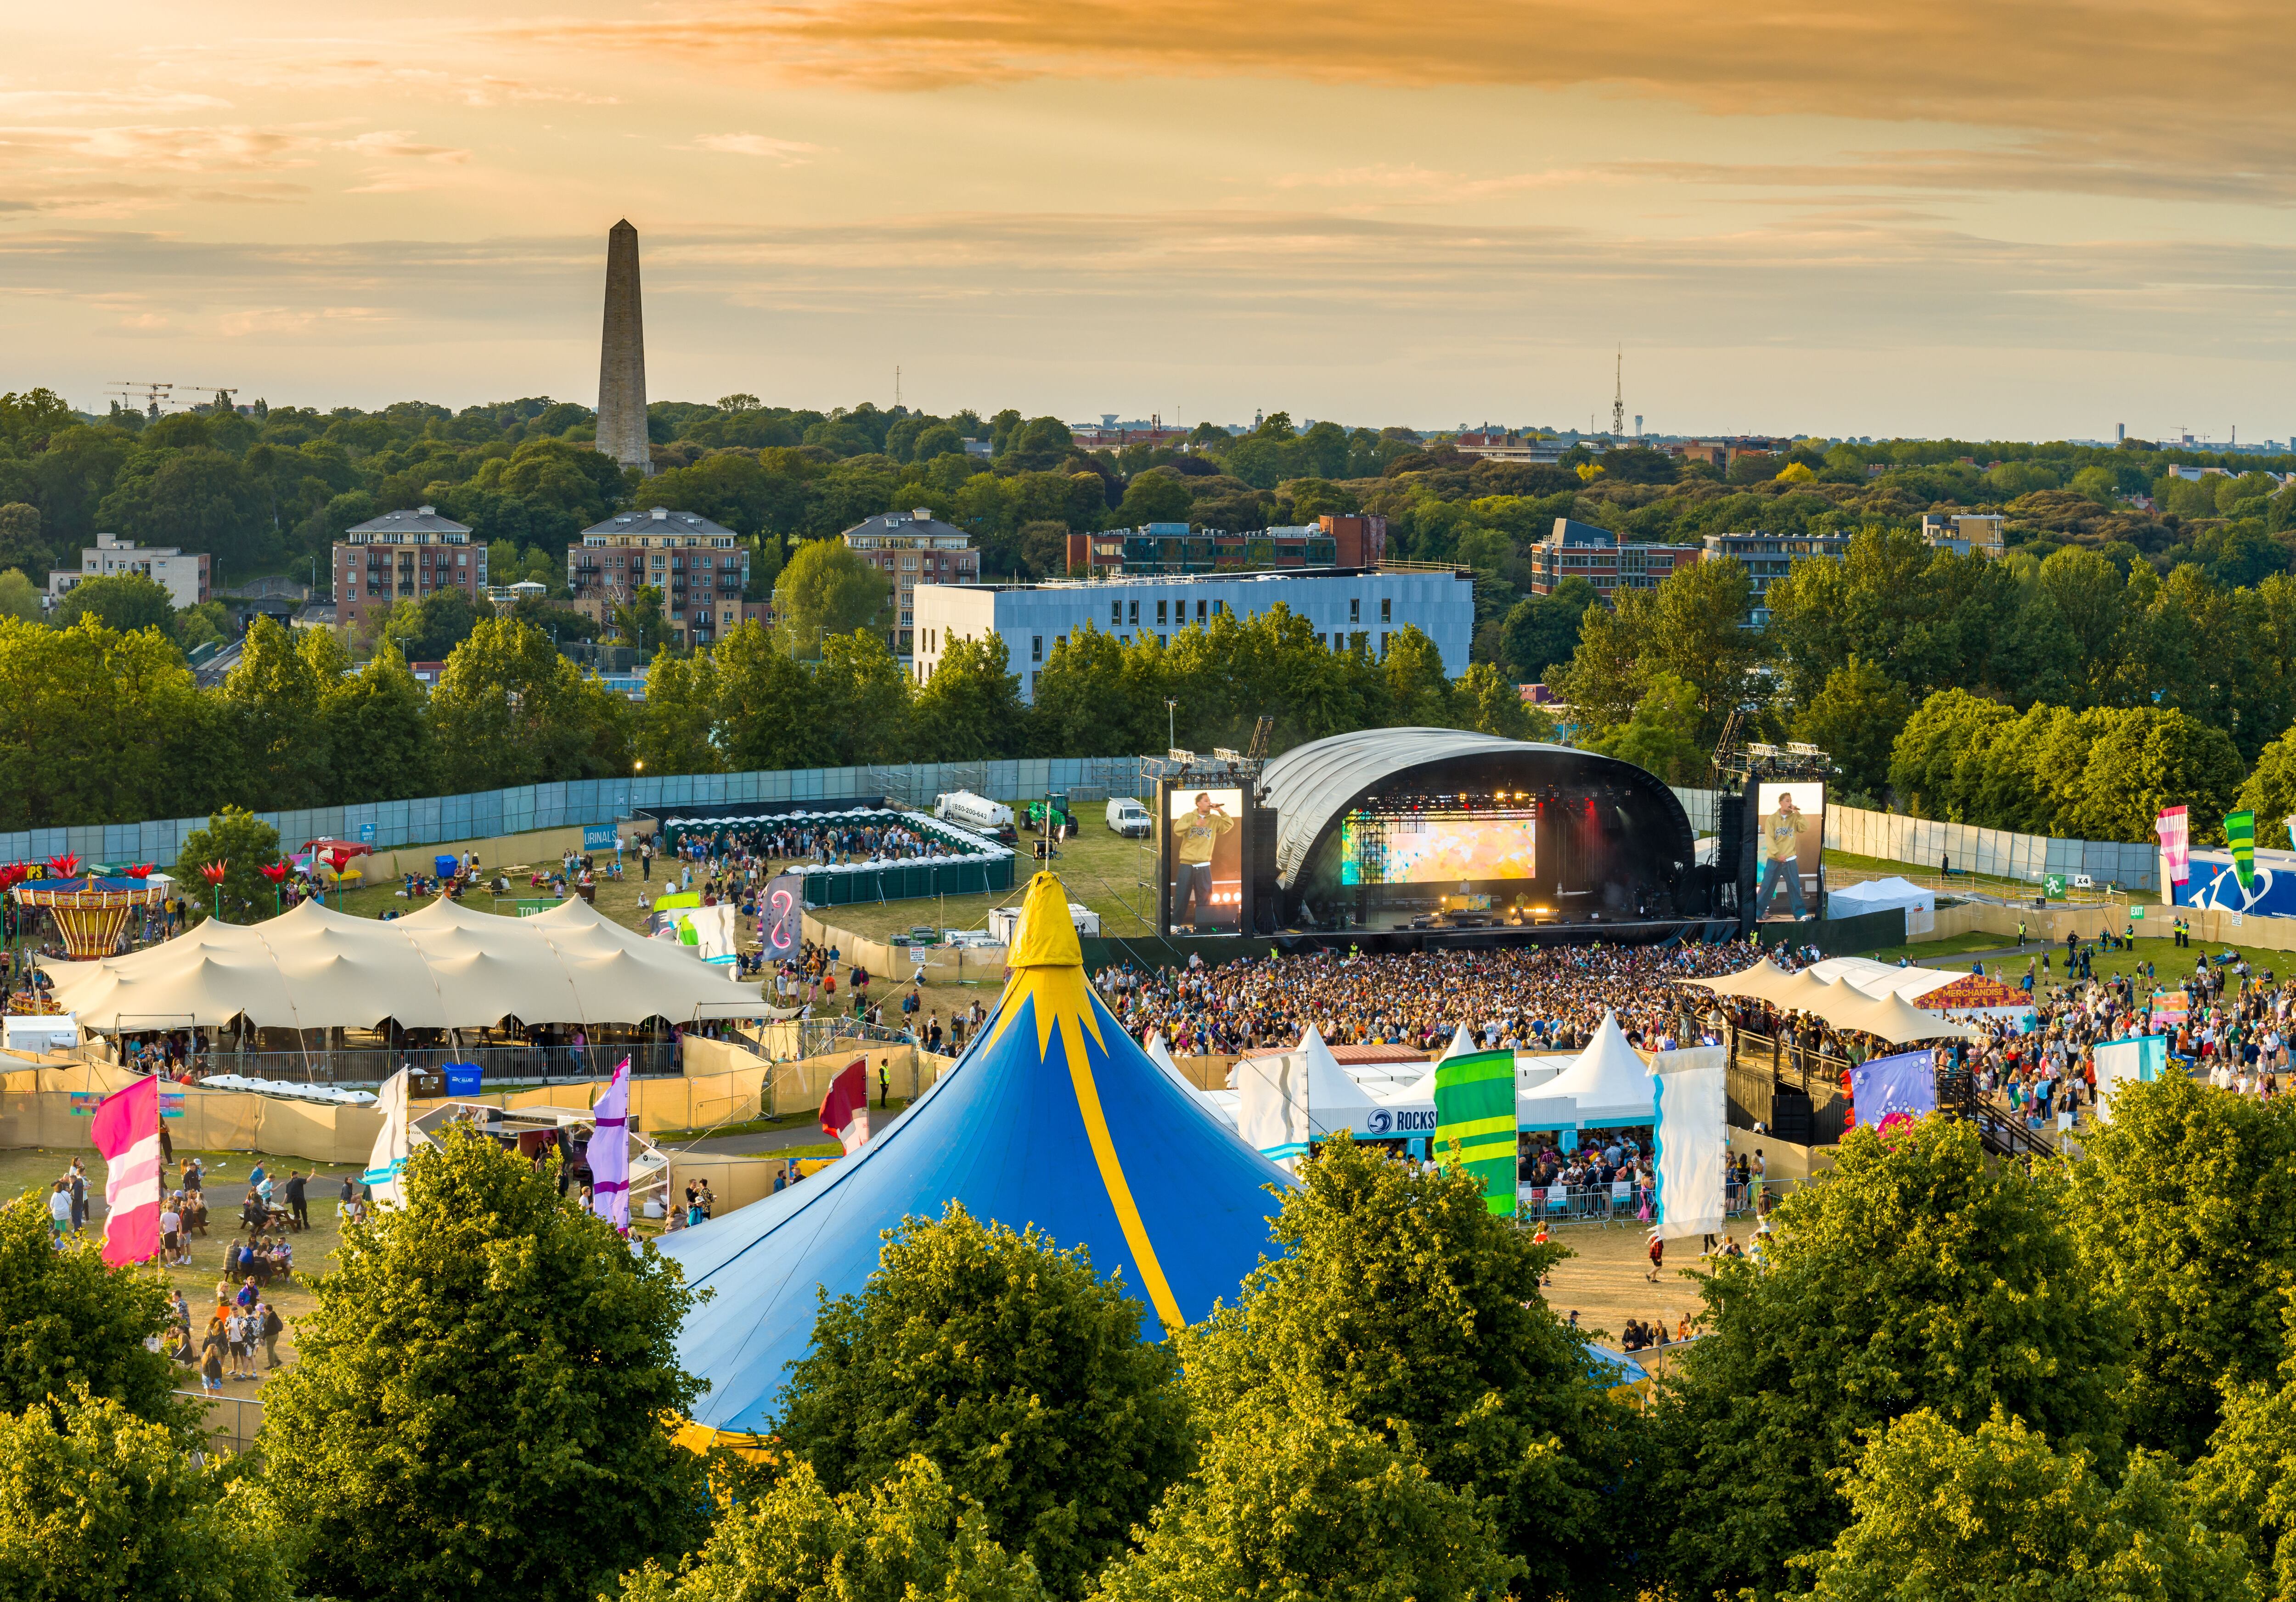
{"points": [[2176, 844], [125, 1131], [845, 1111], [610, 1151]]}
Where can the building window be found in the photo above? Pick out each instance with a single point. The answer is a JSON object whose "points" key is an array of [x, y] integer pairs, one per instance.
{"points": [[1386, 610], [1116, 613], [1354, 609], [1036, 653], [1382, 642], [1201, 606], [1136, 614], [1159, 614]]}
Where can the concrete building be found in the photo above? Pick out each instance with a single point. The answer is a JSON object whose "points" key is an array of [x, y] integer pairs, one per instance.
{"points": [[1965, 531], [622, 356], [912, 548], [1336, 603], [1493, 445], [1579, 550], [403, 556], [184, 577], [1770, 557], [699, 566], [1171, 548]]}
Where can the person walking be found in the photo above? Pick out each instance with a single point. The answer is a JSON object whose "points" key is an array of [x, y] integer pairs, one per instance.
{"points": [[298, 1207], [884, 1086], [268, 1328], [60, 1209], [1657, 1257]]}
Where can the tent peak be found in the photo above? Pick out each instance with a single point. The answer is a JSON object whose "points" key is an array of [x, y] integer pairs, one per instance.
{"points": [[1048, 936]]}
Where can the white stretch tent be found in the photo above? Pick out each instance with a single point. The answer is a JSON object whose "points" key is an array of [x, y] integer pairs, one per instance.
{"points": [[1325, 1100], [1610, 1084], [1882, 978], [1220, 1104], [1878, 895], [443, 967]]}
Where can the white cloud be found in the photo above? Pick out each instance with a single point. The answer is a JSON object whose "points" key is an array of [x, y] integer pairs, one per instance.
{"points": [[787, 153]]}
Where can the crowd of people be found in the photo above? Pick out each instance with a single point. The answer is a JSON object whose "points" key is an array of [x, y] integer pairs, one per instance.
{"points": [[1527, 998]]}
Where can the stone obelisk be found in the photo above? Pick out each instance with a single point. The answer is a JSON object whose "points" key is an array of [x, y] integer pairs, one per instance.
{"points": [[622, 356]]}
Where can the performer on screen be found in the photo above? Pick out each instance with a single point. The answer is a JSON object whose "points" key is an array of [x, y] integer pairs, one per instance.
{"points": [[1193, 839], [1781, 855]]}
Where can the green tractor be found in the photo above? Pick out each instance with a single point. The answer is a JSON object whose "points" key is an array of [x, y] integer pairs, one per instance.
{"points": [[1064, 821]]}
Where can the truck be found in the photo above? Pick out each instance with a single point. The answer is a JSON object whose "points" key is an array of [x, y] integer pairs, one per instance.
{"points": [[968, 810], [1129, 819]]}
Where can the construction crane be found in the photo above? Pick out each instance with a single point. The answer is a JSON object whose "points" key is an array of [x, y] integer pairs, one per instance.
{"points": [[155, 394]]}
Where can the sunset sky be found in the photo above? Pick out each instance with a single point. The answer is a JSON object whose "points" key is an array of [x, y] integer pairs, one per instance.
{"points": [[2009, 219]]}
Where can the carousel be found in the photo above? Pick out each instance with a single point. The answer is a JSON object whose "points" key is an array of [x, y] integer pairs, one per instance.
{"points": [[90, 910]]}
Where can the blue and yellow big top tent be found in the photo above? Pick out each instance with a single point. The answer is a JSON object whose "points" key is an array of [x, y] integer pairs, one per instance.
{"points": [[1054, 1117]]}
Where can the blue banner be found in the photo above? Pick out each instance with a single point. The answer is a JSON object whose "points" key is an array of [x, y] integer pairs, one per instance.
{"points": [[1890, 1086], [599, 837]]}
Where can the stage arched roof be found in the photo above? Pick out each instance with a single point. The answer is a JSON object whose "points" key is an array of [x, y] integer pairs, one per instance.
{"points": [[1312, 786]]}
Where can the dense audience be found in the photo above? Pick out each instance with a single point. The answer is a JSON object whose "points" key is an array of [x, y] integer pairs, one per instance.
{"points": [[1530, 1000]]}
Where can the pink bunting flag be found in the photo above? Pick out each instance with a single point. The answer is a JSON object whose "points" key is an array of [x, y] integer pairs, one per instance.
{"points": [[125, 1131], [845, 1111], [2176, 844], [610, 1151]]}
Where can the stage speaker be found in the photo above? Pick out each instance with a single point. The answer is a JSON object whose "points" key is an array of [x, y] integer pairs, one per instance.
{"points": [[1791, 1117], [1729, 851]]}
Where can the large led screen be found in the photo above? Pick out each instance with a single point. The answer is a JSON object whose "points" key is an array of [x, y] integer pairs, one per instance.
{"points": [[1790, 843], [1434, 851], [1204, 858]]}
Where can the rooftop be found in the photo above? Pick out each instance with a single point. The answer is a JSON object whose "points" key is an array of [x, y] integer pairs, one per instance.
{"points": [[661, 521], [422, 519]]}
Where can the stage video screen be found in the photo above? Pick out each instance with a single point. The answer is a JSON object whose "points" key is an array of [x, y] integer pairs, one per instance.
{"points": [[1204, 858], [1789, 845], [1438, 850]]}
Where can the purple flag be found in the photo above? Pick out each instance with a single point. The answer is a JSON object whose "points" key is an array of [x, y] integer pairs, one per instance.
{"points": [[610, 1151]]}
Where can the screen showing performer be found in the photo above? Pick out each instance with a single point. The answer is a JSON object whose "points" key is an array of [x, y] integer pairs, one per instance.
{"points": [[1434, 851], [1789, 843], [1206, 854]]}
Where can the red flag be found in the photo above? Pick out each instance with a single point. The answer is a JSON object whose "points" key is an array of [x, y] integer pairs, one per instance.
{"points": [[845, 1111], [125, 1131]]}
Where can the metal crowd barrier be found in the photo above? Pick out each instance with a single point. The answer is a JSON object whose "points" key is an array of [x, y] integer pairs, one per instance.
{"points": [[228, 1421]]}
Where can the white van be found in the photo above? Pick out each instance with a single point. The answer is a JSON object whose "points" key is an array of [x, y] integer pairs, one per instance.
{"points": [[968, 810], [1128, 818]]}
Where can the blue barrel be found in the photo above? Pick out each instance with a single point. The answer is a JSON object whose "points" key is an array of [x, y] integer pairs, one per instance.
{"points": [[446, 865]]}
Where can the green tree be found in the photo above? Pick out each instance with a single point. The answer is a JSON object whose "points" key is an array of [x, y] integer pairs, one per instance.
{"points": [[1016, 1370], [2185, 1211], [1697, 618], [1662, 735], [1855, 720], [827, 589], [1401, 1304], [642, 621], [1094, 688], [1541, 631], [70, 1321], [677, 725], [862, 699], [1312, 1505], [1159, 495], [243, 844], [1950, 730], [20, 544], [99, 727], [484, 1397], [1493, 705], [509, 710], [428, 630], [1913, 1275], [1992, 1512], [765, 702], [379, 725], [276, 700], [971, 707], [1419, 695], [2269, 790], [125, 601], [98, 1503], [1607, 676], [905, 1536], [19, 597]]}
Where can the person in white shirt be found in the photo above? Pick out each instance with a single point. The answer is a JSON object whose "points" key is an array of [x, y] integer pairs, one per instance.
{"points": [[60, 1209]]}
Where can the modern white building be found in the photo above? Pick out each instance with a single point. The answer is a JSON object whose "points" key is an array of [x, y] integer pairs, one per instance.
{"points": [[1336, 602], [184, 577]]}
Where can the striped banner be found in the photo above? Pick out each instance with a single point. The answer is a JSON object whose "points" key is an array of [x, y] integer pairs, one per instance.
{"points": [[610, 1151], [2240, 834], [1474, 1105]]}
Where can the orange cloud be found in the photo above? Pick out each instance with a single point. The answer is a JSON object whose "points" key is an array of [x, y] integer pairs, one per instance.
{"points": [[2133, 92]]}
